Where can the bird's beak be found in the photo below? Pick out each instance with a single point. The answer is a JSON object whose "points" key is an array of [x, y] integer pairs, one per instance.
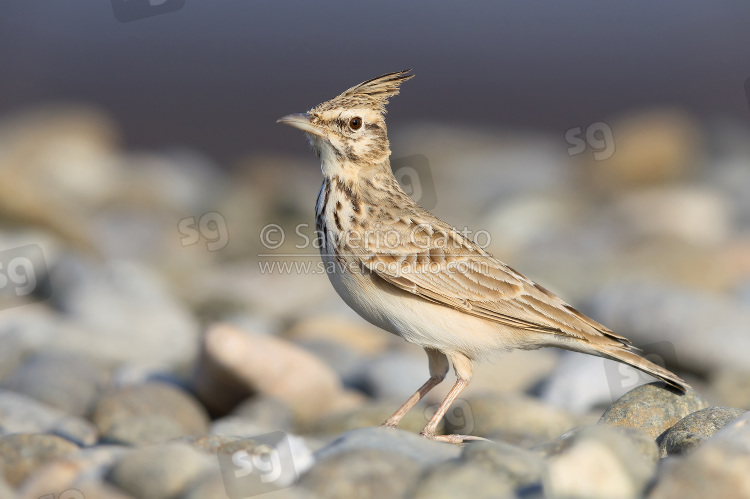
{"points": [[302, 121]]}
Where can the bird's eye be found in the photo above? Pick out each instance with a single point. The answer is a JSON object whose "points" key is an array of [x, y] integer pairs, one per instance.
{"points": [[355, 123]]}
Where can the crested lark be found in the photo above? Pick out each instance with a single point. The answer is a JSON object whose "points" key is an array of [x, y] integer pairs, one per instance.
{"points": [[406, 271]]}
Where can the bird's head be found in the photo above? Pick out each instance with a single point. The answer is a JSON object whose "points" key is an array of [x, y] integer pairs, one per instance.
{"points": [[348, 132]]}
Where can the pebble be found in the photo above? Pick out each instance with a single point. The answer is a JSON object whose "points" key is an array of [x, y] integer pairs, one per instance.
{"points": [[22, 453], [413, 446], [236, 363], [512, 418], [160, 471], [355, 334], [694, 429], [83, 470], [732, 387], [363, 473], [68, 382], [717, 468], [685, 321], [652, 408], [485, 469], [148, 413], [266, 411], [598, 462], [372, 414], [21, 414], [126, 315], [395, 375]]}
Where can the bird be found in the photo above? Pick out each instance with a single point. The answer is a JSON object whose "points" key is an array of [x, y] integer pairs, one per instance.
{"points": [[406, 271]]}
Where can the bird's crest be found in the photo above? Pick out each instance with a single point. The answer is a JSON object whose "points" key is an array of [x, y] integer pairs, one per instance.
{"points": [[372, 93]]}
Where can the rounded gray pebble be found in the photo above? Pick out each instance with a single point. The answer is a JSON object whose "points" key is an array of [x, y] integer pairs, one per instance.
{"points": [[66, 381], [362, 473], [694, 429], [147, 414], [157, 472], [652, 408], [22, 453]]}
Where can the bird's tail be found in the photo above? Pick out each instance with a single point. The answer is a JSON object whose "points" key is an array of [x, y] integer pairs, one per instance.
{"points": [[622, 353]]}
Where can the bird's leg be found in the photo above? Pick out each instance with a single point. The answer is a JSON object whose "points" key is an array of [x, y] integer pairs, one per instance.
{"points": [[438, 363], [464, 373]]}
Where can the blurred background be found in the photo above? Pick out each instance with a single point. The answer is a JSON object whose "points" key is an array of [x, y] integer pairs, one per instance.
{"points": [[148, 201]]}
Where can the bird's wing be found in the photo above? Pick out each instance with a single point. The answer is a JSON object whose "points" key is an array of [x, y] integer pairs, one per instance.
{"points": [[436, 262]]}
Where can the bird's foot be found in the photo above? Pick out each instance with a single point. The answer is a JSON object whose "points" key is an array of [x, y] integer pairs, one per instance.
{"points": [[452, 439], [389, 424]]}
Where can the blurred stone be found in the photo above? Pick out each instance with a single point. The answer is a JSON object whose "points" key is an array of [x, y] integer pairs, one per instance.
{"points": [[413, 446], [68, 382], [266, 411], [598, 462], [362, 473], [513, 418], [348, 364], [127, 315], [371, 414], [55, 164], [25, 330], [148, 414], [451, 480], [718, 468], [639, 440], [394, 375], [696, 215], [22, 453], [519, 371], [158, 471], [652, 408], [694, 429], [486, 469], [83, 470], [732, 387], [648, 148], [578, 383], [235, 364], [238, 426], [21, 414], [689, 321], [356, 335]]}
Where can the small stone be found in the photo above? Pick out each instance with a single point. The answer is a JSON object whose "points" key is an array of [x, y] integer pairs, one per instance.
{"points": [[363, 473], [82, 470], [237, 426], [395, 375], [451, 480], [235, 364], [266, 411], [732, 387], [158, 471], [355, 334], [652, 408], [694, 429], [21, 414], [485, 469], [512, 418], [68, 382], [415, 447], [718, 468], [22, 453], [146, 414], [372, 414], [598, 462]]}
